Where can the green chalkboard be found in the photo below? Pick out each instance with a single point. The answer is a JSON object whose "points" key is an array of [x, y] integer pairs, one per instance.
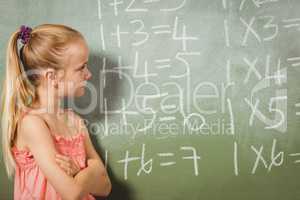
{"points": [[189, 99]]}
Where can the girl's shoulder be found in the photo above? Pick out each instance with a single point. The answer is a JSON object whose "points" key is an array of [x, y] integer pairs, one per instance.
{"points": [[27, 111], [44, 114], [27, 122], [30, 115], [37, 116], [33, 120]]}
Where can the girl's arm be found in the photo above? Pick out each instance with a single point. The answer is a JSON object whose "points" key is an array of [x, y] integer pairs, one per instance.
{"points": [[94, 178], [37, 138]]}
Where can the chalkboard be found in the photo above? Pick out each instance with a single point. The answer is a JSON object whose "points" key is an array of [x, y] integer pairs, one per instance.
{"points": [[189, 99]]}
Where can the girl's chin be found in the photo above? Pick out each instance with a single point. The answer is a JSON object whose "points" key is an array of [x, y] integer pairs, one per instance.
{"points": [[76, 93], [80, 92]]}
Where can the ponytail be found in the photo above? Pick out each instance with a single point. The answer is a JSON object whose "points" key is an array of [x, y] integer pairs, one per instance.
{"points": [[16, 92]]}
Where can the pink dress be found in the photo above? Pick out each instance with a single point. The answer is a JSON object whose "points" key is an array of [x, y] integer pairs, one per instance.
{"points": [[30, 182]]}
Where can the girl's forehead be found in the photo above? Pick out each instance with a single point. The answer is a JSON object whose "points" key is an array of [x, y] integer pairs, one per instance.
{"points": [[79, 48], [77, 52]]}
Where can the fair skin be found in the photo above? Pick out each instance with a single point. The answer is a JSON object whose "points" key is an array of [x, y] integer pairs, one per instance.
{"points": [[61, 171]]}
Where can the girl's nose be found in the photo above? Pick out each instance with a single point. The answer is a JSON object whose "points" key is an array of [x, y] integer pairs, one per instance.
{"points": [[88, 74]]}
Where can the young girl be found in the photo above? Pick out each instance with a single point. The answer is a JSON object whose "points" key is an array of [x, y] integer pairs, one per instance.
{"points": [[45, 147]]}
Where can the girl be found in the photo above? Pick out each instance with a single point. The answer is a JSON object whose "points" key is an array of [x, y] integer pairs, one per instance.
{"points": [[46, 148]]}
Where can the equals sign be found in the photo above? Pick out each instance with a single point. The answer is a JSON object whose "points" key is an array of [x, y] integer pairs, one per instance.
{"points": [[295, 61], [163, 63], [161, 29], [291, 23], [293, 155], [297, 105], [151, 1]]}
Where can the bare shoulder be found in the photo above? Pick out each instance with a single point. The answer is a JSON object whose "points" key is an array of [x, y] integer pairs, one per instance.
{"points": [[33, 128], [32, 121]]}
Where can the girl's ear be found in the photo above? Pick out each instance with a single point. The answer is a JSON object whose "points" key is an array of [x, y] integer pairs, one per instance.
{"points": [[51, 77], [50, 74]]}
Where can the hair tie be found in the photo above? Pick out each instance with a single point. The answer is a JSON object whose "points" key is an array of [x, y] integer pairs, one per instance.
{"points": [[24, 34]]}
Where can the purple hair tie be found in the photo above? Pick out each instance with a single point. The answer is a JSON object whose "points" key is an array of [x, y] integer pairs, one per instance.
{"points": [[24, 34]]}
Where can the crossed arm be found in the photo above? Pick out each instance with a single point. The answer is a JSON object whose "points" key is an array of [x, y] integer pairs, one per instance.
{"points": [[92, 179]]}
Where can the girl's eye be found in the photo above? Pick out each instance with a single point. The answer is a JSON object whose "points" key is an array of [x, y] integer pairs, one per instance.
{"points": [[83, 66]]}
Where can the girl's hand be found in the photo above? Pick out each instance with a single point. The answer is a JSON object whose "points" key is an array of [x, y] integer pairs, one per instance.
{"points": [[68, 164]]}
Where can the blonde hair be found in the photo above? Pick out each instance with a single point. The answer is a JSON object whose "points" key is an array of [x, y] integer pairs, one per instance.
{"points": [[44, 49]]}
